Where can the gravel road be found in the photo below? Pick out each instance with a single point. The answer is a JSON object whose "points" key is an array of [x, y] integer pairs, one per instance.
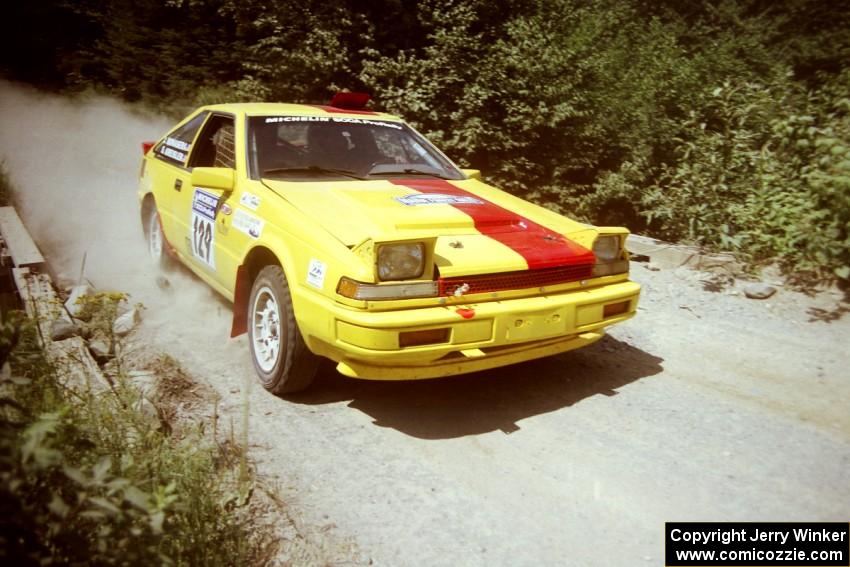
{"points": [[706, 406]]}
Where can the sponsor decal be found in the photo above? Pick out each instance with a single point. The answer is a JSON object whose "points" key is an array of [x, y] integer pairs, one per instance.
{"points": [[248, 223], [538, 245], [203, 235], [437, 199], [204, 203], [250, 201], [174, 149], [177, 144], [381, 123], [274, 119], [336, 120], [173, 154], [316, 273]]}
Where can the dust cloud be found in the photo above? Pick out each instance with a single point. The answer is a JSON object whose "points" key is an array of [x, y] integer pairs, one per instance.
{"points": [[74, 163]]}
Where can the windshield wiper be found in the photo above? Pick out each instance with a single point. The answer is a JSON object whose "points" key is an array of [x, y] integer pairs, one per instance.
{"points": [[410, 170], [314, 169]]}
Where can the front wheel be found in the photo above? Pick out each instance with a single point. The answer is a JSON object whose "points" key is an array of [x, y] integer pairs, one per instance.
{"points": [[281, 358]]}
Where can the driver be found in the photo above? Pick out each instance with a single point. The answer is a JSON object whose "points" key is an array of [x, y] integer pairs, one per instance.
{"points": [[330, 146]]}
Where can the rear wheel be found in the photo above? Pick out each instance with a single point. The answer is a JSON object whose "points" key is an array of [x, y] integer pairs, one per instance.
{"points": [[281, 358], [155, 239]]}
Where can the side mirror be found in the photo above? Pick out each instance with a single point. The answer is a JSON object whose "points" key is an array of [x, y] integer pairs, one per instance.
{"points": [[472, 173], [213, 178]]}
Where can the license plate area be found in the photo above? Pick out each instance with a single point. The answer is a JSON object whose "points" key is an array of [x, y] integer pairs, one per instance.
{"points": [[540, 325]]}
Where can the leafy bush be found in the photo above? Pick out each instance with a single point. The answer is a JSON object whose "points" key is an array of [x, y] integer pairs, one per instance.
{"points": [[767, 177], [720, 123]]}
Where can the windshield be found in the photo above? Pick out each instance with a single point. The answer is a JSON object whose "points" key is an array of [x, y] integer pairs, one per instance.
{"points": [[302, 148]]}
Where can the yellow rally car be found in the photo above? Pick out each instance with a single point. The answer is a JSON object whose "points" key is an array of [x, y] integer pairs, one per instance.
{"points": [[342, 233]]}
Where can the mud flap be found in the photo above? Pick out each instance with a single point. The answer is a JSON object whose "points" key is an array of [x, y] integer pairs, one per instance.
{"points": [[240, 302]]}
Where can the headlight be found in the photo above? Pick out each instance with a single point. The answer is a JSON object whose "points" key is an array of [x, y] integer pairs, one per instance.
{"points": [[401, 261], [607, 248], [609, 259]]}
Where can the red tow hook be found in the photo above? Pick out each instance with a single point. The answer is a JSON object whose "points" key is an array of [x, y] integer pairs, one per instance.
{"points": [[465, 312]]}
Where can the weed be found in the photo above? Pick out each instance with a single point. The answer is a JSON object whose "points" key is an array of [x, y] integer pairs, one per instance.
{"points": [[91, 478]]}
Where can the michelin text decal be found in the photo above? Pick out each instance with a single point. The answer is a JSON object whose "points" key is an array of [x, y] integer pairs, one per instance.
{"points": [[336, 119]]}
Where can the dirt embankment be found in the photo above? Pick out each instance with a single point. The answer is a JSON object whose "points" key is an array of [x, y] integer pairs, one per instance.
{"points": [[706, 406]]}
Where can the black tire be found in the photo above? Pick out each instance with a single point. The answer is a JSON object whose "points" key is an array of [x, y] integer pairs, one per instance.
{"points": [[290, 366], [155, 239]]}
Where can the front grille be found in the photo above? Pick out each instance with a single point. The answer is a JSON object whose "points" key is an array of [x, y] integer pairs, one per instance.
{"points": [[489, 283]]}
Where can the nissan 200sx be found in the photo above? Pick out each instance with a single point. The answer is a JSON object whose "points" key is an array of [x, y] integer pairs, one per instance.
{"points": [[343, 233]]}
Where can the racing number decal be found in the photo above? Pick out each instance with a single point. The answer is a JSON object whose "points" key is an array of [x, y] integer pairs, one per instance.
{"points": [[202, 239], [203, 233]]}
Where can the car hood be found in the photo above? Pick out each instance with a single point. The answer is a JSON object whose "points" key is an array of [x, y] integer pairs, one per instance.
{"points": [[478, 228]]}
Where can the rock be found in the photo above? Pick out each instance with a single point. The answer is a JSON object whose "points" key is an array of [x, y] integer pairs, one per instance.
{"points": [[99, 348], [719, 264], [77, 292], [122, 309], [63, 329], [146, 381], [759, 290], [639, 258], [163, 282], [126, 322], [667, 255], [86, 330], [653, 267], [80, 370]]}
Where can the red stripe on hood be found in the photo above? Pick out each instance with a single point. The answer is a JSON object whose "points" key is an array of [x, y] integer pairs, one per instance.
{"points": [[539, 246]]}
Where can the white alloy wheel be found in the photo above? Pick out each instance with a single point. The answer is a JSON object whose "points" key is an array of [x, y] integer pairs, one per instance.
{"points": [[157, 246], [267, 329], [282, 360]]}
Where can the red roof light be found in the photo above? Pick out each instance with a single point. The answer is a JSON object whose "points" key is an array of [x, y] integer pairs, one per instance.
{"points": [[352, 101]]}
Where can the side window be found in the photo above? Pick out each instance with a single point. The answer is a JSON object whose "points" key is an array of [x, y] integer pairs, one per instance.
{"points": [[215, 146], [176, 146], [419, 153]]}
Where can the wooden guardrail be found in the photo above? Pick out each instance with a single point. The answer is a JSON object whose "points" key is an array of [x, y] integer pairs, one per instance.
{"points": [[44, 306]]}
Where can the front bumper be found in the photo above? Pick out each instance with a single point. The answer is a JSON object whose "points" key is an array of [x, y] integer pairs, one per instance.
{"points": [[366, 344]]}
